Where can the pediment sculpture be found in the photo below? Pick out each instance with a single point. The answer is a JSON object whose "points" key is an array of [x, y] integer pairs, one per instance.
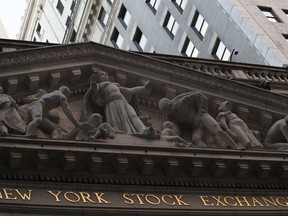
{"points": [[106, 112]]}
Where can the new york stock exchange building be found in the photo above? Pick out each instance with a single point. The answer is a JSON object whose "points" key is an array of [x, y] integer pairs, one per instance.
{"points": [[92, 130]]}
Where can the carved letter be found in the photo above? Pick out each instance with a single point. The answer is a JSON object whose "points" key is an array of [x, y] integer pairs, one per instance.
{"points": [[180, 202], [127, 200], [69, 199], [166, 202], [85, 196], [206, 201], [8, 193], [281, 203], [254, 200], [228, 203], [100, 199], [268, 202], [218, 201], [241, 201], [55, 195], [138, 196], [24, 196], [155, 197]]}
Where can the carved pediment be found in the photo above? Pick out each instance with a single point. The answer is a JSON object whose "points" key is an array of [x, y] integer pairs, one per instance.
{"points": [[23, 72]]}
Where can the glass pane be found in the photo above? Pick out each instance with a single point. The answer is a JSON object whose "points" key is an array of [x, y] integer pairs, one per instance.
{"points": [[105, 18], [170, 23], [272, 19], [226, 55], [189, 49], [127, 18], [267, 13], [195, 52], [119, 41], [175, 28], [199, 23], [142, 42], [220, 50], [204, 28], [156, 5]]}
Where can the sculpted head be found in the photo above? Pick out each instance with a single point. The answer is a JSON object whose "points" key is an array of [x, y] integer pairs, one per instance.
{"points": [[225, 106], [95, 119], [65, 90], [168, 124], [165, 105], [99, 75]]}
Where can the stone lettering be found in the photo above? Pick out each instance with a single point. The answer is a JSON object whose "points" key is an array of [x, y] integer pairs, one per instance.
{"points": [[8, 194], [55, 195]]}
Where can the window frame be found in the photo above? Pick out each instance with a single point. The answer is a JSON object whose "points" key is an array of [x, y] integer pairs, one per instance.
{"points": [[122, 16], [153, 6], [60, 9], [180, 6], [38, 30], [115, 38], [194, 51], [219, 42], [138, 37], [101, 18], [203, 25], [272, 17], [170, 28]]}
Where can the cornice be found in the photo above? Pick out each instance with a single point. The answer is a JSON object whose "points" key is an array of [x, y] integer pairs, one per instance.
{"points": [[107, 161], [148, 68]]}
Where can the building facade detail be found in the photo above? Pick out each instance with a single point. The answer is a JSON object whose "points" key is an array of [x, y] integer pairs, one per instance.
{"points": [[89, 165]]}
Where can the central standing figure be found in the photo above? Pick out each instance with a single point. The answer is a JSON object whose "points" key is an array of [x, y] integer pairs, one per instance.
{"points": [[108, 96]]}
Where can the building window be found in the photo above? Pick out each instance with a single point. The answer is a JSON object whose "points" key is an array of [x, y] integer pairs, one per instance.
{"points": [[220, 51], [270, 15], [180, 4], [73, 5], [124, 16], [68, 21], [60, 7], [153, 4], [103, 17], [38, 30], [189, 49], [116, 39], [73, 36], [139, 39], [171, 25], [199, 24], [110, 1]]}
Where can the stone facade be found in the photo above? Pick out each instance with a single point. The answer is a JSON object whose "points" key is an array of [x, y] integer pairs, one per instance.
{"points": [[131, 173]]}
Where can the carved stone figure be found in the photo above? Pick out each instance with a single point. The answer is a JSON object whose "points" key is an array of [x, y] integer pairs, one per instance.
{"points": [[169, 134], [236, 127], [10, 120], [277, 136], [191, 108], [92, 129], [39, 108], [50, 119], [108, 97]]}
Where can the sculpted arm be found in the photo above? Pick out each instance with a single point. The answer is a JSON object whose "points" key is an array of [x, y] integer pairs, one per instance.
{"points": [[145, 89], [86, 101], [68, 111]]}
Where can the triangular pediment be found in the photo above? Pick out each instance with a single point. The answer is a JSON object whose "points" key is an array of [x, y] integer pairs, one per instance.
{"points": [[25, 71]]}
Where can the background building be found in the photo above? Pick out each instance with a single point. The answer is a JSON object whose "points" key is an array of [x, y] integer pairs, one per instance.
{"points": [[3, 33], [242, 31]]}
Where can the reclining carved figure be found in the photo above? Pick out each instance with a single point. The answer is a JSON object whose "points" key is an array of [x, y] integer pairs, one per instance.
{"points": [[191, 108]]}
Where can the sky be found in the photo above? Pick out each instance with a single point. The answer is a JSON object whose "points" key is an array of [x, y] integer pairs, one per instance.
{"points": [[11, 12]]}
